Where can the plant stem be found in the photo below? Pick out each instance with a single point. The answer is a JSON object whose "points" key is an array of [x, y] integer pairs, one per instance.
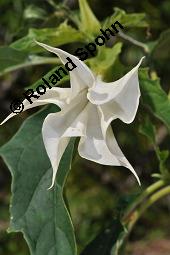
{"points": [[143, 202], [134, 41], [144, 206], [141, 198], [32, 61]]}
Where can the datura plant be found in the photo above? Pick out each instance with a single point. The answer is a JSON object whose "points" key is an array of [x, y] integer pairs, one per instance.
{"points": [[87, 110], [79, 119]]}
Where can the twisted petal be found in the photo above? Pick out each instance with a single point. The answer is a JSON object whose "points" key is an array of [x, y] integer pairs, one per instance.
{"points": [[119, 99], [81, 77], [99, 145], [59, 127], [56, 96]]}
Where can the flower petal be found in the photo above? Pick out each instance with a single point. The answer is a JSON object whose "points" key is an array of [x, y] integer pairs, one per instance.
{"points": [[59, 127], [81, 77], [99, 146], [56, 96], [119, 99]]}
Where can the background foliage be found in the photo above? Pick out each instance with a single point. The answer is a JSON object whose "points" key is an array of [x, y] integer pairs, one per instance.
{"points": [[96, 195]]}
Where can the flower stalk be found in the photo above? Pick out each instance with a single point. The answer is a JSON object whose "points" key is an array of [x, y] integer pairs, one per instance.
{"points": [[150, 196], [154, 187]]}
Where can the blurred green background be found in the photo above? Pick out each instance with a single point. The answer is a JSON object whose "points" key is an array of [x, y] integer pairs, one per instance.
{"points": [[96, 194]]}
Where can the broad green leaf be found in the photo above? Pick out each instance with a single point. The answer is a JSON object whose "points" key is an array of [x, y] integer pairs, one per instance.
{"points": [[154, 97], [89, 22], [40, 214], [11, 60], [9, 129], [53, 36], [126, 19], [105, 59], [107, 242]]}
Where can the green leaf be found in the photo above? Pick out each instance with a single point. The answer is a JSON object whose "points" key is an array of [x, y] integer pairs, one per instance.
{"points": [[11, 60], [53, 36], [148, 130], [40, 214], [9, 129], [89, 23], [105, 59], [154, 97], [126, 19], [106, 243]]}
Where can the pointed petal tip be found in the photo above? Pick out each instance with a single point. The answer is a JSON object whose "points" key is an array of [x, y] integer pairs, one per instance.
{"points": [[3, 122], [141, 60], [137, 178], [43, 45], [39, 43], [7, 118], [47, 47], [36, 41], [50, 187], [134, 173], [52, 184], [139, 182]]}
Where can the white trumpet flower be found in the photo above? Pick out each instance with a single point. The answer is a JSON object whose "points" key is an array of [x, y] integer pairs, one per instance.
{"points": [[87, 109]]}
